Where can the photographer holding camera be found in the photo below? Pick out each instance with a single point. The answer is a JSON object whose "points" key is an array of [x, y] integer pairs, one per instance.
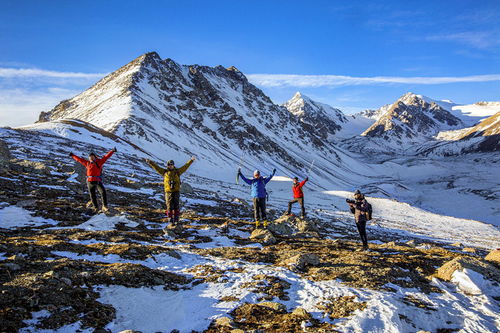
{"points": [[362, 211]]}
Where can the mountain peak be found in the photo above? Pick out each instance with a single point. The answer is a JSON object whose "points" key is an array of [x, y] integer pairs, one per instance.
{"points": [[412, 116]]}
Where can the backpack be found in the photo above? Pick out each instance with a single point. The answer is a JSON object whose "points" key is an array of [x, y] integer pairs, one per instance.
{"points": [[369, 211]]}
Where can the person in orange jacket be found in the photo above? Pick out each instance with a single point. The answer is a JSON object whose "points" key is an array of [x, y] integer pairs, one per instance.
{"points": [[94, 177], [298, 196]]}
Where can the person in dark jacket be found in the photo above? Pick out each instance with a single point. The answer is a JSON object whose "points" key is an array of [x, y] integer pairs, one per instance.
{"points": [[359, 207], [94, 177], [298, 196], [259, 195], [172, 185]]}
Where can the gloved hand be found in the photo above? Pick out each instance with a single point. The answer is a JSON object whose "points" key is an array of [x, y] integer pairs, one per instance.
{"points": [[307, 178], [71, 154], [239, 171], [114, 150], [193, 158], [274, 170], [148, 161]]}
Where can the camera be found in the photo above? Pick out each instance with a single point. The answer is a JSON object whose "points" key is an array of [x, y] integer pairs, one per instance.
{"points": [[350, 201]]}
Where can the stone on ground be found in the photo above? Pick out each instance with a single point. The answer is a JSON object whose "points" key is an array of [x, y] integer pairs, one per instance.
{"points": [[265, 236], [487, 269], [301, 261], [494, 256]]}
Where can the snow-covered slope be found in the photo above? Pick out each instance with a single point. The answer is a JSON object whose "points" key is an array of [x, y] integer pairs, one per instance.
{"points": [[411, 118], [173, 110], [316, 117], [484, 137]]}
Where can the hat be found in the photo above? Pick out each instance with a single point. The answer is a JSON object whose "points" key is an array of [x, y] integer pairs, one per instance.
{"points": [[170, 162], [296, 178], [92, 154], [256, 172], [357, 192]]}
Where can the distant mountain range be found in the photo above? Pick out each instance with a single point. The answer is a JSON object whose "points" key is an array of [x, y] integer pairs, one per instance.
{"points": [[169, 109]]}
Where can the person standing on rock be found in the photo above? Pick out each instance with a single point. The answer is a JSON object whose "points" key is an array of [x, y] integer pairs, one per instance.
{"points": [[259, 195], [94, 177], [360, 208], [172, 184], [298, 196]]}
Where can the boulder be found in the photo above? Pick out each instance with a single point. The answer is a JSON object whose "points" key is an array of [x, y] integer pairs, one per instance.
{"points": [[264, 236], [281, 228], [186, 188], [278, 307], [5, 155], [301, 313], [487, 269], [306, 225], [493, 256], [224, 322], [301, 261]]}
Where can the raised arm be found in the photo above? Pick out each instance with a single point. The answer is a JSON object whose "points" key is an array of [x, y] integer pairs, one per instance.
{"points": [[268, 179], [302, 183], [156, 168], [183, 168], [245, 179], [107, 156], [79, 160]]}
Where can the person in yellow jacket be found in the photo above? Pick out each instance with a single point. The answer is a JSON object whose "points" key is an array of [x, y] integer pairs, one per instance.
{"points": [[172, 183]]}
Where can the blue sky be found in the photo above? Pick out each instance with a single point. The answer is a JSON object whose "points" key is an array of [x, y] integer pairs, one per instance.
{"points": [[350, 54]]}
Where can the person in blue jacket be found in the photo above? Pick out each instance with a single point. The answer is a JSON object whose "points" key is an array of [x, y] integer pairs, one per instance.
{"points": [[259, 195]]}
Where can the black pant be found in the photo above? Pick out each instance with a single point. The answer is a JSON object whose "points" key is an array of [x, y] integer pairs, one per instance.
{"points": [[92, 186], [301, 203], [362, 232], [172, 199], [259, 209]]}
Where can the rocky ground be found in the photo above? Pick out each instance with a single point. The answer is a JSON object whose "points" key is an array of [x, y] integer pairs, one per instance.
{"points": [[59, 268]]}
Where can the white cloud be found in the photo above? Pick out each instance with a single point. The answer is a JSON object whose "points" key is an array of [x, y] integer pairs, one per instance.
{"points": [[22, 106], [476, 39], [292, 80], [33, 72]]}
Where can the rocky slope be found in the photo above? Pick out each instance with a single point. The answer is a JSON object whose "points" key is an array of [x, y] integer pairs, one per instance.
{"points": [[411, 118], [170, 109], [64, 269], [482, 138], [316, 117]]}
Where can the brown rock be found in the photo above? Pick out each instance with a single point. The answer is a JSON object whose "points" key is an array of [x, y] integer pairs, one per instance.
{"points": [[265, 236], [493, 256], [225, 322], [301, 313], [485, 268], [278, 307], [301, 261]]}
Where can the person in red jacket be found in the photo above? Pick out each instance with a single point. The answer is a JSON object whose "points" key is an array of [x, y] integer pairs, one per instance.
{"points": [[298, 196], [94, 180]]}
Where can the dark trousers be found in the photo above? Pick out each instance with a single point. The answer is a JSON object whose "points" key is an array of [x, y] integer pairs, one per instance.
{"points": [[301, 203], [362, 232], [259, 209], [93, 186], [173, 199]]}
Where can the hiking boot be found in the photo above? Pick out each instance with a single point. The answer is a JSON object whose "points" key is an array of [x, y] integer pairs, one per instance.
{"points": [[265, 223], [104, 209], [92, 211], [257, 222], [88, 204]]}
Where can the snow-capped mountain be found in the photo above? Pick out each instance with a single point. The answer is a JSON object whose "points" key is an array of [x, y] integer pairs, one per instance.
{"points": [[316, 117], [174, 110], [484, 137], [412, 118]]}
